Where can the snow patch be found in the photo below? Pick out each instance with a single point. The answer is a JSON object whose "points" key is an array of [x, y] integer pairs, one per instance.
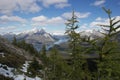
{"points": [[2, 54], [22, 77], [6, 71], [25, 66], [9, 72]]}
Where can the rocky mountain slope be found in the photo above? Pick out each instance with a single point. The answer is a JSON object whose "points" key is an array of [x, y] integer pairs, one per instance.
{"points": [[36, 37], [7, 47], [13, 62]]}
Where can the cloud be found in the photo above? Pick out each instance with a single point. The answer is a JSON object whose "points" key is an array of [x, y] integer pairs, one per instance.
{"points": [[39, 18], [5, 19], [99, 21], [9, 6], [103, 21], [59, 20], [44, 21], [29, 6], [7, 29], [78, 14], [62, 5], [56, 20], [57, 3], [98, 2], [57, 32]]}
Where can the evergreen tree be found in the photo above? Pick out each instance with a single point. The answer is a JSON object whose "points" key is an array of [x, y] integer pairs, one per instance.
{"points": [[34, 68], [45, 62], [58, 69], [79, 70], [14, 42], [107, 48]]}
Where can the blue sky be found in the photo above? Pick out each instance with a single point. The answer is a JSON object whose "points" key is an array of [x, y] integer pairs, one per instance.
{"points": [[24, 15]]}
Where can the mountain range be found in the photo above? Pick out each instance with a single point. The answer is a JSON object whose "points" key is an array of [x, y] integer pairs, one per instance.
{"points": [[38, 38]]}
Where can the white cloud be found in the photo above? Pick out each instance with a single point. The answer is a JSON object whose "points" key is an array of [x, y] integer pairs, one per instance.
{"points": [[55, 20], [78, 14], [57, 32], [99, 21], [44, 21], [5, 19], [9, 6], [102, 21], [62, 5], [39, 18], [7, 29], [26, 6], [98, 2], [57, 3]]}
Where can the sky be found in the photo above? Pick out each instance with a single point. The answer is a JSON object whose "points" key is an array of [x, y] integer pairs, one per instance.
{"points": [[18, 16]]}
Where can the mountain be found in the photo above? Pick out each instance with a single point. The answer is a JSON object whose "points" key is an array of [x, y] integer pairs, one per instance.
{"points": [[36, 37], [9, 36], [91, 33], [40, 37]]}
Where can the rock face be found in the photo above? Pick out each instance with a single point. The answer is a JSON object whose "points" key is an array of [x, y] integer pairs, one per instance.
{"points": [[38, 38]]}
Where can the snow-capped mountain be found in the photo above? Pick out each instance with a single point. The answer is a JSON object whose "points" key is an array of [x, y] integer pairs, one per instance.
{"points": [[9, 36], [37, 38], [37, 35], [91, 33], [40, 37]]}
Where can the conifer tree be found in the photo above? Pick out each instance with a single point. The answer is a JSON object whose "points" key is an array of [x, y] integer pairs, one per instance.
{"points": [[45, 62], [79, 69], [57, 68], [34, 68], [107, 48], [14, 42]]}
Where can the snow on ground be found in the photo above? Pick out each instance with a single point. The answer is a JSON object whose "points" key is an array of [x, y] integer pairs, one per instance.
{"points": [[25, 66], [22, 77], [8, 72], [2, 54]]}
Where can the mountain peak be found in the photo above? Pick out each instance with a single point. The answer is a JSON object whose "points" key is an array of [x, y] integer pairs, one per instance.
{"points": [[42, 31]]}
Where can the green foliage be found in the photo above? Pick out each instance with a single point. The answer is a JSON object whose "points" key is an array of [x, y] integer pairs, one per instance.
{"points": [[5, 78], [34, 68], [113, 27], [108, 63], [79, 68], [14, 42], [58, 69], [22, 44]]}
